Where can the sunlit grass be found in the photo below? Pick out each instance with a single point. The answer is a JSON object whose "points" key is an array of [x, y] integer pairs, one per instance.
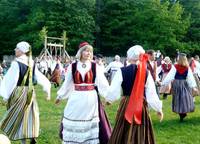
{"points": [[170, 131]]}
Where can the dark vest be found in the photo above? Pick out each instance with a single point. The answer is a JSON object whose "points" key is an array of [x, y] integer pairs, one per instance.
{"points": [[22, 71], [128, 75], [181, 76], [74, 69]]}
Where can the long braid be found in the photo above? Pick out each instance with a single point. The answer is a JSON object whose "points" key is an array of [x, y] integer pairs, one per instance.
{"points": [[30, 85]]}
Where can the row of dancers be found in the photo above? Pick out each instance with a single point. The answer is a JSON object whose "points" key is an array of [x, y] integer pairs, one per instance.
{"points": [[84, 119]]}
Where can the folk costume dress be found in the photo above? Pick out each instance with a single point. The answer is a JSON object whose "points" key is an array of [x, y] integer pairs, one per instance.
{"points": [[195, 67], [125, 132], [81, 119], [152, 67], [165, 68], [56, 75], [182, 83], [21, 121]]}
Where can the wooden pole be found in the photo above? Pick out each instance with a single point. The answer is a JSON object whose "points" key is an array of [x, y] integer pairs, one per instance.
{"points": [[64, 43], [45, 44]]}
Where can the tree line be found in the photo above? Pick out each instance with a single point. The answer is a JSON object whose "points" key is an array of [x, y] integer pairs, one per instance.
{"points": [[111, 26]]}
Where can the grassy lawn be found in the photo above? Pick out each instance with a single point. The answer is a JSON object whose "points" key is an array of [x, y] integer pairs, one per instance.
{"points": [[170, 131]]}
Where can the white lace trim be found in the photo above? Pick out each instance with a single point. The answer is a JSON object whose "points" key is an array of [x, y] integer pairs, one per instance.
{"points": [[86, 132], [94, 141]]}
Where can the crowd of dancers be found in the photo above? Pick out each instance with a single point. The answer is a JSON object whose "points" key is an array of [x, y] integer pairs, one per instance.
{"points": [[140, 83]]}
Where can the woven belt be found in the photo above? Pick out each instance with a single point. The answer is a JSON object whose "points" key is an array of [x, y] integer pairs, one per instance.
{"points": [[84, 88]]}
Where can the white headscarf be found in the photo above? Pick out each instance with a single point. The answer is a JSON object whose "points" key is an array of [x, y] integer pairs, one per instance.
{"points": [[134, 52], [167, 59], [117, 57], [23, 46]]}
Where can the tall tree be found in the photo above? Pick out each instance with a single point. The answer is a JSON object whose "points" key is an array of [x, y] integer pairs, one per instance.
{"points": [[150, 23], [75, 17], [24, 19], [192, 8]]}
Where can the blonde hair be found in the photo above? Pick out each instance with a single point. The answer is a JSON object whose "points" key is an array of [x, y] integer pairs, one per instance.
{"points": [[79, 53], [182, 60]]}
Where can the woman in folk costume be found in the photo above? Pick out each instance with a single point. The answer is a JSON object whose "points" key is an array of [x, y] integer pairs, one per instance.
{"points": [[133, 123], [21, 120], [195, 67], [56, 75], [164, 69], [152, 67], [183, 83], [81, 118]]}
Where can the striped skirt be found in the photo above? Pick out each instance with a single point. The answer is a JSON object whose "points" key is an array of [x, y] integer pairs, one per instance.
{"points": [[182, 100], [126, 133], [21, 121]]}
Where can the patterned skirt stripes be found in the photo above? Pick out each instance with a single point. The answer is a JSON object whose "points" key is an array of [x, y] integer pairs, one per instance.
{"points": [[126, 133], [21, 121], [182, 99]]}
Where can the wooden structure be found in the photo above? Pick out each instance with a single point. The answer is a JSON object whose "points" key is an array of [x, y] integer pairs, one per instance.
{"points": [[55, 47]]}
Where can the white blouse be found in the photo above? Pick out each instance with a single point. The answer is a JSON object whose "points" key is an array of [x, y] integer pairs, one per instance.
{"points": [[68, 86], [10, 80], [197, 68], [115, 91], [171, 75]]}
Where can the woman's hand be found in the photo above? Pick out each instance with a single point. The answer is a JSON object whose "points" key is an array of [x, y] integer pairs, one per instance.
{"points": [[108, 103], [57, 102], [160, 115], [195, 91], [48, 98]]}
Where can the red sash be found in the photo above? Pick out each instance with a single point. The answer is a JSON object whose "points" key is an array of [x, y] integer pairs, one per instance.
{"points": [[134, 108]]}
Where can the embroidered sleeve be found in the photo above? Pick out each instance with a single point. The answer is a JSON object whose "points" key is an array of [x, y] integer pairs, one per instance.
{"points": [[101, 81], [170, 76], [9, 81], [151, 95], [68, 85], [43, 81], [190, 79]]}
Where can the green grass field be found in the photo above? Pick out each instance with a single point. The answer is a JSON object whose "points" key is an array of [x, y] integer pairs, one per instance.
{"points": [[170, 131]]}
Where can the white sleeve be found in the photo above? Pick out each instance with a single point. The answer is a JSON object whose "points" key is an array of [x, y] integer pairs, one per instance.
{"points": [[190, 79], [108, 67], [9, 81], [101, 82], [115, 89], [170, 76], [151, 94], [68, 85], [43, 81]]}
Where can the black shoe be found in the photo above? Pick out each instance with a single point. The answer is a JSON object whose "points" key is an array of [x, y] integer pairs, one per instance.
{"points": [[182, 116], [33, 141], [164, 96], [55, 85]]}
